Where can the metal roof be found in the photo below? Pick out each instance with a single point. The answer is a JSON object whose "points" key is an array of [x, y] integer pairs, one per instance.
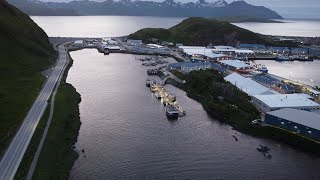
{"points": [[286, 101], [248, 86], [235, 63], [305, 118], [202, 51]]}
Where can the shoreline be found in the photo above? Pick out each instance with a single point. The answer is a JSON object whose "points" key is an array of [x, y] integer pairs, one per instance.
{"points": [[59, 146], [294, 140]]}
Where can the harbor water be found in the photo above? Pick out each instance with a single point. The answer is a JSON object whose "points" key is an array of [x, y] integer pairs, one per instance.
{"points": [[125, 133], [111, 26]]}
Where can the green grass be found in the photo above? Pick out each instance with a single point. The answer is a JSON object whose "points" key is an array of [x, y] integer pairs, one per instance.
{"points": [[32, 148], [57, 156], [205, 86], [202, 31], [25, 52]]}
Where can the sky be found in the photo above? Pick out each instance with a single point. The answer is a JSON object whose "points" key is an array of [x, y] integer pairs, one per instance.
{"points": [[301, 9]]}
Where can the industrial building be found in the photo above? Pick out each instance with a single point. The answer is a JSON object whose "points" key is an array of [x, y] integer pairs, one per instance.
{"points": [[134, 42], [78, 43], [252, 46], [314, 52], [155, 46], [202, 52], [298, 121], [266, 103], [248, 86], [187, 67], [236, 65]]}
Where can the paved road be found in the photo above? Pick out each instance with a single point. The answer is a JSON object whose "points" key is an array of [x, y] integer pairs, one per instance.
{"points": [[14, 154]]}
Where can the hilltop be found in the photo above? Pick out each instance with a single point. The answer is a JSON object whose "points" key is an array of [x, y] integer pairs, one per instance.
{"points": [[167, 8], [203, 31], [25, 52]]}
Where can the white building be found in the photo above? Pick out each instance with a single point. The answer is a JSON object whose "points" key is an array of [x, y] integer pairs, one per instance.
{"points": [[195, 51], [236, 65], [248, 86], [134, 42], [188, 66], [155, 46], [266, 103], [78, 43]]}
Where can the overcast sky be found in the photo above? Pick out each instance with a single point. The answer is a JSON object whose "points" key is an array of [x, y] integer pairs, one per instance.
{"points": [[286, 8]]}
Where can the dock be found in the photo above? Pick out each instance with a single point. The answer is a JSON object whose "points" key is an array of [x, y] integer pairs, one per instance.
{"points": [[166, 98]]}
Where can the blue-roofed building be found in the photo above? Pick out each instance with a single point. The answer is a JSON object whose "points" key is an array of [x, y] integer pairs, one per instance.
{"points": [[299, 51], [279, 50], [298, 121], [314, 52], [252, 46], [187, 67]]}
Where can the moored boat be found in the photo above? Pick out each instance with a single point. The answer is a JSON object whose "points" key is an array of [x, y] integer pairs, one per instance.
{"points": [[172, 112], [148, 81], [283, 58]]}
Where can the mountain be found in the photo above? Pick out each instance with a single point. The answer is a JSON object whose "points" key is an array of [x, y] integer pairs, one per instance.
{"points": [[203, 31], [201, 8], [25, 52], [37, 8]]}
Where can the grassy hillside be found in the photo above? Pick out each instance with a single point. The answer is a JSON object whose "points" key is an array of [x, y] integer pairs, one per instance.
{"points": [[25, 52], [202, 31]]}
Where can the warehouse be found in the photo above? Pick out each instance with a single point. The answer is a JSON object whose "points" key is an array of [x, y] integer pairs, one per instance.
{"points": [[266, 103], [248, 86], [236, 65], [298, 121], [202, 52], [78, 43], [187, 67]]}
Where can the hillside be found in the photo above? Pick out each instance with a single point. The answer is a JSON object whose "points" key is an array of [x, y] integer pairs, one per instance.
{"points": [[173, 8], [203, 31], [25, 52]]}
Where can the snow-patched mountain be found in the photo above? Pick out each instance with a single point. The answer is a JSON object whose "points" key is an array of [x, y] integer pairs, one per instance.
{"points": [[173, 8], [220, 3]]}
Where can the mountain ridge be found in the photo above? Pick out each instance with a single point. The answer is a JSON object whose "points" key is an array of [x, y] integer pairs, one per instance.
{"points": [[167, 8]]}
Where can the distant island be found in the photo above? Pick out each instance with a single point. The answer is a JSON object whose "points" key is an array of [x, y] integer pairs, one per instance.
{"points": [[204, 31], [241, 19], [167, 8]]}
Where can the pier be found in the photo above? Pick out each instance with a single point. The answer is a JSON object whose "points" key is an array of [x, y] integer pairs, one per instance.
{"points": [[166, 98]]}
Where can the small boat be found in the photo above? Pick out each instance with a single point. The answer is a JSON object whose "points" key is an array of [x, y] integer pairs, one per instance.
{"points": [[305, 58], [153, 87], [157, 95], [148, 81], [263, 69], [172, 112], [172, 97], [283, 58]]}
